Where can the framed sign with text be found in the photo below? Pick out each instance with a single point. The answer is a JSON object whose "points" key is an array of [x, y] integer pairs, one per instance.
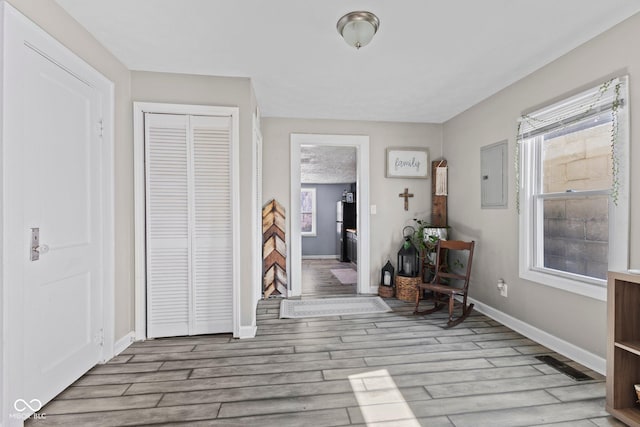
{"points": [[407, 163]]}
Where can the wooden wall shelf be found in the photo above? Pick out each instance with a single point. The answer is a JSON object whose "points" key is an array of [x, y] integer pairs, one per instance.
{"points": [[623, 346]]}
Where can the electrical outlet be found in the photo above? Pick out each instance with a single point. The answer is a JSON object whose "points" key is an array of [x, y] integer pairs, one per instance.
{"points": [[503, 290]]}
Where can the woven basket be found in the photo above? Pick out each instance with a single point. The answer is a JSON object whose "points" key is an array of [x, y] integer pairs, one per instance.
{"points": [[406, 288], [385, 291]]}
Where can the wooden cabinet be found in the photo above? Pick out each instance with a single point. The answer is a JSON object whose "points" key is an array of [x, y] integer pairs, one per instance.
{"points": [[352, 246], [623, 346], [354, 250]]}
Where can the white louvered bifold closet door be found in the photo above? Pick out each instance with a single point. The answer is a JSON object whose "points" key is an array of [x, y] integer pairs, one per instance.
{"points": [[167, 211], [189, 232], [212, 243]]}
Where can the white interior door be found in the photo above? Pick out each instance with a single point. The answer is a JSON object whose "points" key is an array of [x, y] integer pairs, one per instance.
{"points": [[53, 183], [189, 245]]}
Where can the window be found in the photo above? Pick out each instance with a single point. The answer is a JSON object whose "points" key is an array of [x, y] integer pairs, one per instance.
{"points": [[308, 211], [574, 190]]}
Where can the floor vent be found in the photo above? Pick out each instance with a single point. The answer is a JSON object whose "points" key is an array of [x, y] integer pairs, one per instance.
{"points": [[564, 368]]}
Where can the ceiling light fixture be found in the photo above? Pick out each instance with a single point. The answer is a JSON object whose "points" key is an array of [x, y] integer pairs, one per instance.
{"points": [[358, 28]]}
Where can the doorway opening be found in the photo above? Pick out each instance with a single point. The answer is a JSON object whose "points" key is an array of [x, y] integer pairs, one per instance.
{"points": [[328, 220], [329, 215]]}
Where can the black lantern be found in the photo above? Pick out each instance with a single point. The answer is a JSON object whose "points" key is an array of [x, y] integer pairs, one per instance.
{"points": [[386, 276], [408, 256]]}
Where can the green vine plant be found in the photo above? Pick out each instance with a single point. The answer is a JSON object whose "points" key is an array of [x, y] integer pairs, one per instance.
{"points": [[615, 107], [517, 163], [418, 236], [615, 158]]}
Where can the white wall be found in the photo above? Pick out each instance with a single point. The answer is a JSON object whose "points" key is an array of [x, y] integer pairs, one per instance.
{"points": [[386, 226], [579, 320]]}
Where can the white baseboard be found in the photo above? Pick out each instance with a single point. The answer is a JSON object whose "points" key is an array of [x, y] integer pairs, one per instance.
{"points": [[320, 256], [123, 343], [247, 332], [573, 352], [373, 290]]}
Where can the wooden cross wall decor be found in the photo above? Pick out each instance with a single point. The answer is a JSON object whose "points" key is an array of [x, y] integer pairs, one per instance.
{"points": [[406, 196]]}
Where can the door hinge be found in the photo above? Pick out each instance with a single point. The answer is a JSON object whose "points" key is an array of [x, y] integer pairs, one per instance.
{"points": [[98, 338], [100, 127]]}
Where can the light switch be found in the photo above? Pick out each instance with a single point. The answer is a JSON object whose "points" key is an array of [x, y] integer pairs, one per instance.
{"points": [[373, 209]]}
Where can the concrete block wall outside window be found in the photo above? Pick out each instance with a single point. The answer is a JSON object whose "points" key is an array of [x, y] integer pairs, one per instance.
{"points": [[576, 231]]}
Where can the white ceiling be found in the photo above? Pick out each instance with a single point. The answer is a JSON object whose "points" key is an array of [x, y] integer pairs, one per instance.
{"points": [[430, 60]]}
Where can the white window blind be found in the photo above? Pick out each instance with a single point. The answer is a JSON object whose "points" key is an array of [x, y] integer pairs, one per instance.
{"points": [[584, 105]]}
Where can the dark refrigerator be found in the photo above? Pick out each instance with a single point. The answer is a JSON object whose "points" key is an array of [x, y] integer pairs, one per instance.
{"points": [[345, 218]]}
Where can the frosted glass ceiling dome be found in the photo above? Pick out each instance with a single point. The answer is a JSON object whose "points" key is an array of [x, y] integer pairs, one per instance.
{"points": [[358, 28]]}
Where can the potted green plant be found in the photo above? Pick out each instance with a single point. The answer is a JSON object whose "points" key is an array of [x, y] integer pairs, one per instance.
{"points": [[426, 235], [426, 238]]}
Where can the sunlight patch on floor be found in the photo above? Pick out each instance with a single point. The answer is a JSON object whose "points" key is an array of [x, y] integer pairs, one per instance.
{"points": [[380, 401]]}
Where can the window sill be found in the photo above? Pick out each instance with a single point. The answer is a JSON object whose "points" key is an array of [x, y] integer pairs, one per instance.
{"points": [[593, 290]]}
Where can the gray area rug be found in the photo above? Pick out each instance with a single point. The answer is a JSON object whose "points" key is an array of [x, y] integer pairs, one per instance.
{"points": [[294, 309]]}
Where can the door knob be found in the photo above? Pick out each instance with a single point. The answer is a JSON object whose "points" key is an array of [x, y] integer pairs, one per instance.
{"points": [[42, 249], [36, 248]]}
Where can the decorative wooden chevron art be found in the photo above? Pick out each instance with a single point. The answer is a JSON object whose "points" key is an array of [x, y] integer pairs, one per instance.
{"points": [[274, 250]]}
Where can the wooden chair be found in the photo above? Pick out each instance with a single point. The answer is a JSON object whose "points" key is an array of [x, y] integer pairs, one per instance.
{"points": [[443, 288]]}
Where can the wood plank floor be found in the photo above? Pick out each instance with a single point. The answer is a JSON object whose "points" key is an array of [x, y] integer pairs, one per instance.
{"points": [[317, 279], [384, 369]]}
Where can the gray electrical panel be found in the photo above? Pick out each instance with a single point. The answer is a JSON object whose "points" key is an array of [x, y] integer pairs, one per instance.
{"points": [[493, 175]]}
